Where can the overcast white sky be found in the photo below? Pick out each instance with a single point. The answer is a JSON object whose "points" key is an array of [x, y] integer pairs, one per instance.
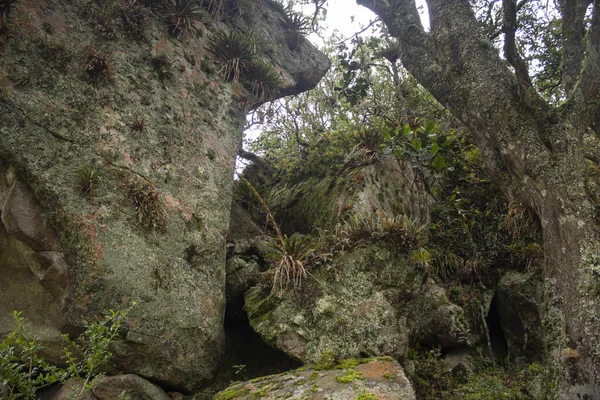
{"points": [[347, 17]]}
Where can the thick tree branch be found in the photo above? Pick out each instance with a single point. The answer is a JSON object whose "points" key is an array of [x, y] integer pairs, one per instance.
{"points": [[590, 79], [509, 27], [573, 29], [499, 30]]}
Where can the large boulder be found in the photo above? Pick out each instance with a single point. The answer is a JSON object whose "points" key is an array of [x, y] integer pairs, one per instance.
{"points": [[381, 378], [117, 148], [127, 386], [368, 301]]}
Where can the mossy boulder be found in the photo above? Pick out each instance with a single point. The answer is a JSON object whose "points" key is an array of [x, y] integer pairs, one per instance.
{"points": [[367, 301], [364, 379], [125, 143]]}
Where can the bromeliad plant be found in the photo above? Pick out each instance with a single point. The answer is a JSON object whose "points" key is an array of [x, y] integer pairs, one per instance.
{"points": [[289, 254], [180, 15], [262, 80], [296, 26], [235, 52]]}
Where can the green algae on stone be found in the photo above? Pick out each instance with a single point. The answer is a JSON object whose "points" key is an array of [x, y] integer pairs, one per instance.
{"points": [[350, 375]]}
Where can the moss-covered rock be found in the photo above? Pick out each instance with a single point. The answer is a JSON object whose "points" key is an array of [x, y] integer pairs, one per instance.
{"points": [[127, 142], [366, 301], [359, 379]]}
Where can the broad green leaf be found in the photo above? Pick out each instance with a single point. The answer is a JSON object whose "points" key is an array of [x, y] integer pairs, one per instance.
{"points": [[439, 162], [417, 144]]}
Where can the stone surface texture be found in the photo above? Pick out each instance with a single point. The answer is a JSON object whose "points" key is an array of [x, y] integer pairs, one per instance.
{"points": [[160, 128], [372, 379]]}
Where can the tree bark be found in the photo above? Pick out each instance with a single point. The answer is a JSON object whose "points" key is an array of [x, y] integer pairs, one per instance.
{"points": [[532, 150]]}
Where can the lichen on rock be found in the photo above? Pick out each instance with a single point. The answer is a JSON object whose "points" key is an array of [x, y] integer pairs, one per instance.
{"points": [[161, 128]]}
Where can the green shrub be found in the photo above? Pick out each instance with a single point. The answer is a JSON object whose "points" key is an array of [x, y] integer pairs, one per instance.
{"points": [[23, 371]]}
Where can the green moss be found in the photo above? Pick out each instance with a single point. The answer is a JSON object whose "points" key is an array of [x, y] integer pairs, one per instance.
{"points": [[233, 392], [350, 375], [314, 375], [389, 375], [366, 396]]}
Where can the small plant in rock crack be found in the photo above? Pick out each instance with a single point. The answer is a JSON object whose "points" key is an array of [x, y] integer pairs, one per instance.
{"points": [[289, 254], [263, 80], [296, 26], [87, 180], [181, 15], [149, 204], [138, 127], [134, 17], [162, 67], [98, 66], [235, 52]]}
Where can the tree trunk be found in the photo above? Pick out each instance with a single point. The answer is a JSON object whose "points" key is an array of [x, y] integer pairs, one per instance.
{"points": [[532, 150]]}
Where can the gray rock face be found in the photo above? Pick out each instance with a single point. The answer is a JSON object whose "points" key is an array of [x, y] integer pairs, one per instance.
{"points": [[73, 389], [377, 378], [127, 386], [160, 129], [519, 300]]}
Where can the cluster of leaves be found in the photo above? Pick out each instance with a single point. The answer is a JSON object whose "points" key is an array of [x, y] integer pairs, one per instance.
{"points": [[296, 26], [23, 371], [400, 231], [134, 17], [289, 258], [288, 255], [236, 52]]}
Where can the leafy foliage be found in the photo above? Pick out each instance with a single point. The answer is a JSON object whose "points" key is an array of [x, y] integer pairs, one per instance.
{"points": [[24, 371]]}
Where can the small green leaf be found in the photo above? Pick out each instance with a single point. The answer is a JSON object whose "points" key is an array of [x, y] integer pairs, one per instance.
{"points": [[439, 162], [417, 144]]}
